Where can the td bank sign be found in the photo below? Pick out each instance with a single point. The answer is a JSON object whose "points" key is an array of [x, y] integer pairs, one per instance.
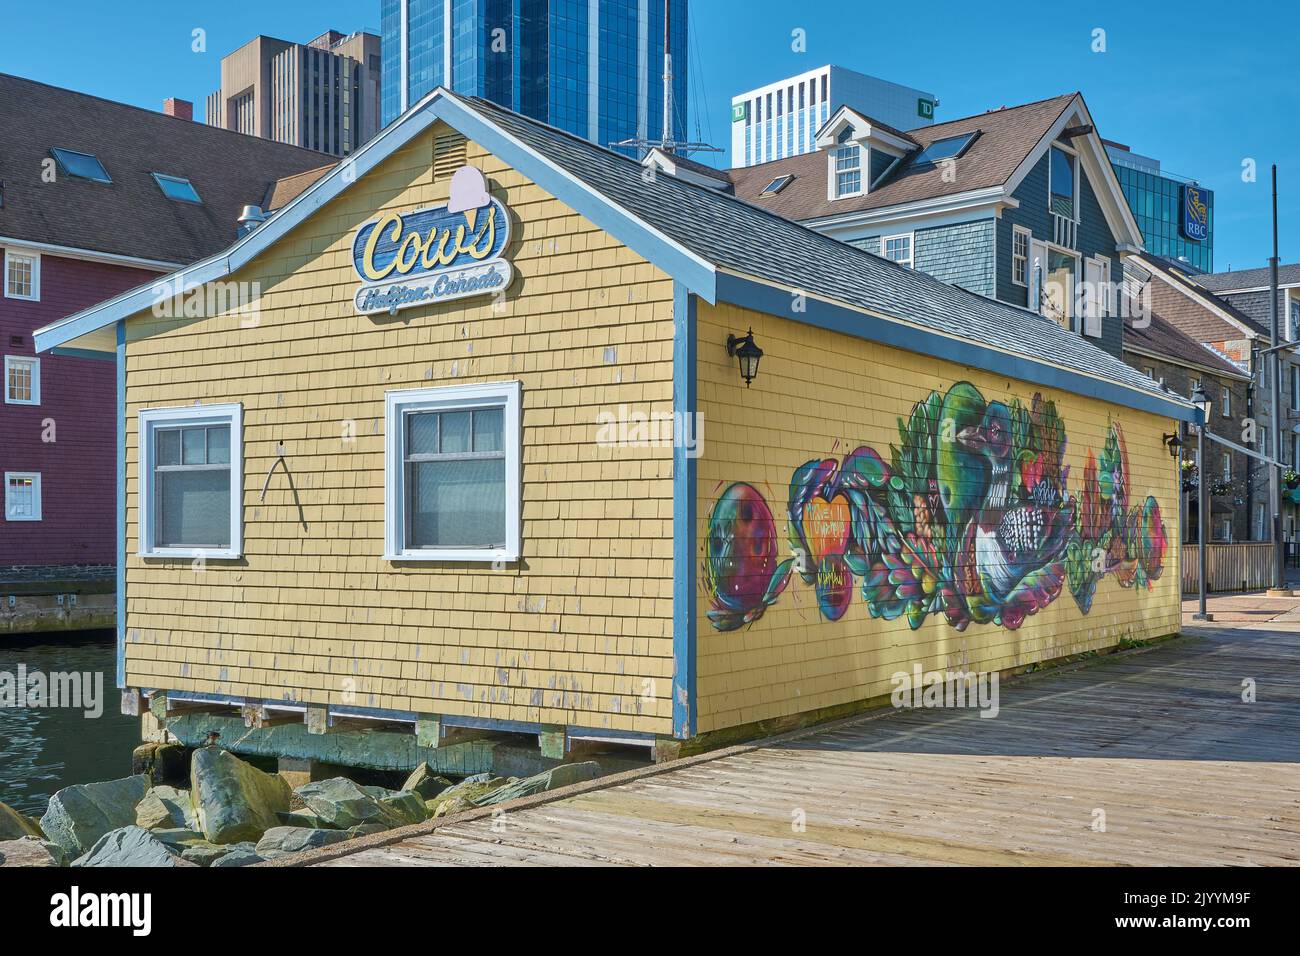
{"points": [[434, 255]]}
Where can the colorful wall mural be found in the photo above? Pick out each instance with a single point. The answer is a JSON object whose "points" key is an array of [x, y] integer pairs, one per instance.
{"points": [[971, 518]]}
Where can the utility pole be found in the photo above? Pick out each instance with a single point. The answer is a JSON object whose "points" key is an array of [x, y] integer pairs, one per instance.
{"points": [[1275, 471]]}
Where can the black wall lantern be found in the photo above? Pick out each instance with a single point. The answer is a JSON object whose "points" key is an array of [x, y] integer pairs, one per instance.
{"points": [[1175, 445], [748, 353]]}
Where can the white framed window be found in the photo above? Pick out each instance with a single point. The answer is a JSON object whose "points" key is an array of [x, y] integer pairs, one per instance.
{"points": [[22, 496], [191, 481], [1295, 388], [898, 249], [1225, 401], [452, 473], [846, 170], [1227, 466], [22, 278], [1020, 237], [22, 380]]}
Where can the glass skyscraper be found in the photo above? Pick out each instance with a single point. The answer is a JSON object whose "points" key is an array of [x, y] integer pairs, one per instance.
{"points": [[1156, 199], [591, 67]]}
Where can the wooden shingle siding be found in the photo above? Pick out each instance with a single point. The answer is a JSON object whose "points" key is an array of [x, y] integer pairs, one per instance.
{"points": [[820, 395], [960, 254], [577, 633]]}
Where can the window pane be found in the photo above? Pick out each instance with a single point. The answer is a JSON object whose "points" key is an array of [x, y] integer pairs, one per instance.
{"points": [[195, 509], [219, 445], [169, 447], [455, 432], [458, 503], [422, 434], [487, 429], [193, 447]]}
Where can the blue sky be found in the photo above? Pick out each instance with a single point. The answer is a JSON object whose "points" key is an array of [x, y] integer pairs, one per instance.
{"points": [[1199, 88]]}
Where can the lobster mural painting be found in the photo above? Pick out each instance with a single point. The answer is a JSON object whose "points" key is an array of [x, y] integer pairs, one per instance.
{"points": [[970, 518]]}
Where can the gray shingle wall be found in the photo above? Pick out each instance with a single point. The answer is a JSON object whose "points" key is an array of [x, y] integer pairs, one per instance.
{"points": [[961, 254], [1095, 239]]}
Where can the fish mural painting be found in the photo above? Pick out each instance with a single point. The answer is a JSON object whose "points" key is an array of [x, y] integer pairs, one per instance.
{"points": [[971, 518]]}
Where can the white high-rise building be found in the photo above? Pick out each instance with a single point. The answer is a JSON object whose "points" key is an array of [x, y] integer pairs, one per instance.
{"points": [[782, 119]]}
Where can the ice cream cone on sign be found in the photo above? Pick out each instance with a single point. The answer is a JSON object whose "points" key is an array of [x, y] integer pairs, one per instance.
{"points": [[468, 194], [471, 217]]}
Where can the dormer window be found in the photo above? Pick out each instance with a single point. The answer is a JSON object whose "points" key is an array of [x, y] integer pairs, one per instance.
{"points": [[950, 147], [1063, 191], [848, 170]]}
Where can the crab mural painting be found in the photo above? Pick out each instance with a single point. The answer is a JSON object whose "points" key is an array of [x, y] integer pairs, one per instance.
{"points": [[971, 518]]}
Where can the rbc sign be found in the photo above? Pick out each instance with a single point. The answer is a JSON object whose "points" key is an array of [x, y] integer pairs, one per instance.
{"points": [[1196, 213]]}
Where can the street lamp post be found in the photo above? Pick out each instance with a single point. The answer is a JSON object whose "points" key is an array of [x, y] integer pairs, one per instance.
{"points": [[1202, 401]]}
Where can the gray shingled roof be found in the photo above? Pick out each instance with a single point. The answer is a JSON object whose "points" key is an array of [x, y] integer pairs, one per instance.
{"points": [[1249, 278], [740, 237]]}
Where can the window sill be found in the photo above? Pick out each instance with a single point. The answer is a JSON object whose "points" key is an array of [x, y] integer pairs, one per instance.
{"points": [[23, 298], [465, 555], [17, 401], [191, 554], [17, 518]]}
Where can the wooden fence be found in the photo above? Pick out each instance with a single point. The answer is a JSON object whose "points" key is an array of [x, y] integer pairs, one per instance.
{"points": [[1232, 567]]}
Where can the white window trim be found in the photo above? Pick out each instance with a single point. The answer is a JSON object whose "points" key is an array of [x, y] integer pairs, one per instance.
{"points": [[149, 419], [833, 187], [910, 261], [1029, 241], [35, 365], [445, 398], [35, 476], [35, 257]]}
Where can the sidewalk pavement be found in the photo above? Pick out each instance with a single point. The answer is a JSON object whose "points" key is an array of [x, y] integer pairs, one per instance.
{"points": [[1244, 607]]}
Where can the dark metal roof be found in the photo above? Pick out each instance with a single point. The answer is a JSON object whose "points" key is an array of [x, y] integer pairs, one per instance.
{"points": [[1249, 278]]}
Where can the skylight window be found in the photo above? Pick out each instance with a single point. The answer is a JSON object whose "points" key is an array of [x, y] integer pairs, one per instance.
{"points": [[81, 165], [177, 187], [776, 185], [948, 148]]}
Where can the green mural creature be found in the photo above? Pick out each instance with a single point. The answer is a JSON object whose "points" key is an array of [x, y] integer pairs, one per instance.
{"points": [[971, 518]]}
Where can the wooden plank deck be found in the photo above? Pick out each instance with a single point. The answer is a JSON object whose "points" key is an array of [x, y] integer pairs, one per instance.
{"points": [[1185, 772]]}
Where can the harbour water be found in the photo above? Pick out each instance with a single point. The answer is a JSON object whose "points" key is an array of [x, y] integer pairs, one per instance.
{"points": [[43, 749]]}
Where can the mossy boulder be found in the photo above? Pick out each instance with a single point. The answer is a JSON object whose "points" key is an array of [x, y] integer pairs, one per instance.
{"points": [[233, 800], [15, 825], [425, 782], [341, 804]]}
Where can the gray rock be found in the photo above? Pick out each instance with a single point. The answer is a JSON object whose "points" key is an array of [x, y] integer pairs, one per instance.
{"points": [[31, 851], [280, 841], [342, 804], [241, 854], [205, 853], [233, 800], [15, 825], [79, 816], [129, 846], [425, 782], [301, 818], [165, 807], [561, 776]]}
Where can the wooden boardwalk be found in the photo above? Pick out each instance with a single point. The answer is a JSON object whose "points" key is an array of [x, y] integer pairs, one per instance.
{"points": [[1159, 742]]}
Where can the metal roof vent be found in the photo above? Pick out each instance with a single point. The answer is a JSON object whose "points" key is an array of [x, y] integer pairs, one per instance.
{"points": [[250, 217]]}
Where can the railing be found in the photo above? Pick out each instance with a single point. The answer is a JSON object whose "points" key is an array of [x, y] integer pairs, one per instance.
{"points": [[1065, 231], [1230, 567]]}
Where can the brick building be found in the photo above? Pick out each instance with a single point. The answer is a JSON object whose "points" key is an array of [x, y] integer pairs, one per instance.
{"points": [[96, 198]]}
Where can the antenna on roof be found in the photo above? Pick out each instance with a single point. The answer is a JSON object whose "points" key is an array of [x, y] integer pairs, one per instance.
{"points": [[667, 143]]}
